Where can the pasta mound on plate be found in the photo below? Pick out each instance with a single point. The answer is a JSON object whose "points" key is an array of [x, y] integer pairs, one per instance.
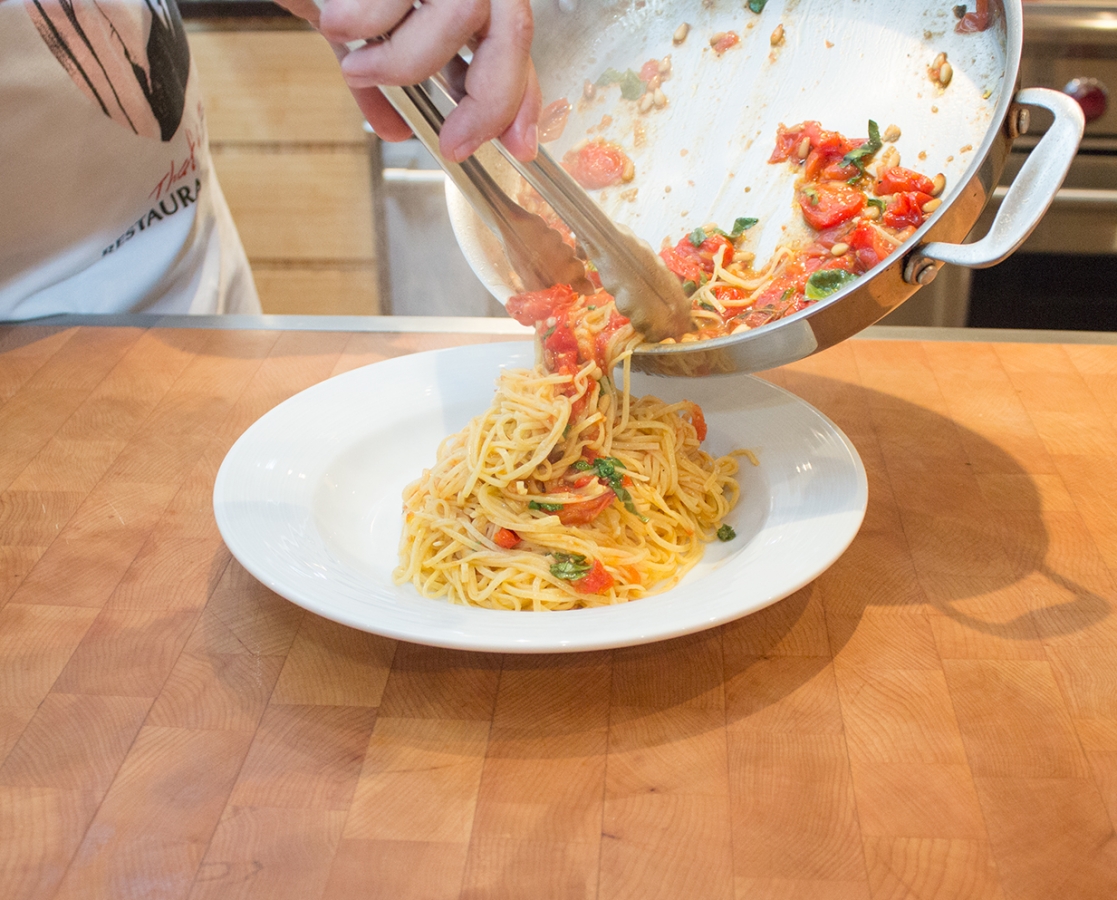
{"points": [[567, 492]]}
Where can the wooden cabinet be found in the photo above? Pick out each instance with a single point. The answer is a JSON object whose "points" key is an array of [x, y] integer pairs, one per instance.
{"points": [[293, 159]]}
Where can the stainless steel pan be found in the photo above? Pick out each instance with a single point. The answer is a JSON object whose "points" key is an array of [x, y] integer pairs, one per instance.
{"points": [[703, 157]]}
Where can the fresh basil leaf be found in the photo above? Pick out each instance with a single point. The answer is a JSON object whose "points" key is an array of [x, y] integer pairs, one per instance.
{"points": [[726, 533], [878, 203], [544, 507], [697, 236], [826, 282], [581, 465], [757, 6], [632, 88], [689, 287], [549, 332], [858, 155], [709, 307], [741, 225], [569, 566], [811, 194]]}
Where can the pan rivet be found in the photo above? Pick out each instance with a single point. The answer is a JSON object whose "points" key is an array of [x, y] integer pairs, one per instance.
{"points": [[1018, 121], [920, 270]]}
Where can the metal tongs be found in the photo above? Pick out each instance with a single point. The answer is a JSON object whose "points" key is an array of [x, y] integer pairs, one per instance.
{"points": [[645, 290]]}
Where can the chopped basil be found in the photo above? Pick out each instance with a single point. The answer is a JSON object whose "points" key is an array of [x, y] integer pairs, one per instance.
{"points": [[726, 533], [544, 507], [697, 236], [591, 307], [632, 88], [689, 287], [858, 155], [757, 6], [811, 194], [549, 332], [825, 282], [878, 203], [605, 468], [709, 307], [740, 226], [570, 566]]}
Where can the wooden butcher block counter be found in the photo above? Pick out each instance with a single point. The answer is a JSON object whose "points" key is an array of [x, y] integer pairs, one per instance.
{"points": [[933, 717]]}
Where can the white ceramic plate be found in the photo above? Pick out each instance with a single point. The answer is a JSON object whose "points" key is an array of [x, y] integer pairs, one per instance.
{"points": [[309, 501]]}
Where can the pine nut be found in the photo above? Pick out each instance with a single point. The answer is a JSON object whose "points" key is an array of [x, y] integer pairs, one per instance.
{"points": [[739, 328], [939, 182], [931, 205], [645, 103], [777, 36], [659, 99], [891, 134], [680, 33], [652, 84], [629, 170], [945, 74], [689, 337], [871, 212], [839, 249], [665, 66], [804, 148], [938, 61], [588, 90]]}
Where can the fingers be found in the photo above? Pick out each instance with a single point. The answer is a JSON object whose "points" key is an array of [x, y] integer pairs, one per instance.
{"points": [[342, 21], [502, 93], [419, 45], [380, 114]]}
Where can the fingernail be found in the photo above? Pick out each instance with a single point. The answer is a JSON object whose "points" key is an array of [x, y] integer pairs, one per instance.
{"points": [[464, 150]]}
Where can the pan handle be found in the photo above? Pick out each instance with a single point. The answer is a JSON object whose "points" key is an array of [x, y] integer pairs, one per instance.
{"points": [[1030, 193]]}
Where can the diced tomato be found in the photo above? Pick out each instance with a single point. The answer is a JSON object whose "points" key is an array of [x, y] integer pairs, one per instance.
{"points": [[596, 581], [905, 209], [552, 120], [585, 512], [536, 306], [598, 164], [649, 70], [560, 349], [685, 265], [789, 139], [690, 263], [826, 152], [900, 180], [869, 245], [826, 205], [976, 21], [698, 420], [727, 40], [506, 538]]}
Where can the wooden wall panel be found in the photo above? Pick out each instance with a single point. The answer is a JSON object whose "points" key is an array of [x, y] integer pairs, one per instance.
{"points": [[293, 159]]}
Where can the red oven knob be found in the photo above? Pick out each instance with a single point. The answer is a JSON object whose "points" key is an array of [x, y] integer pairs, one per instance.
{"points": [[1091, 96]]}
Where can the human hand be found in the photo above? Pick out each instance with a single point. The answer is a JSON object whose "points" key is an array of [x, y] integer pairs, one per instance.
{"points": [[502, 95]]}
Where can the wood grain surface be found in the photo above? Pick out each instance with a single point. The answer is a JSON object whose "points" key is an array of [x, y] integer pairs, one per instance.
{"points": [[934, 717]]}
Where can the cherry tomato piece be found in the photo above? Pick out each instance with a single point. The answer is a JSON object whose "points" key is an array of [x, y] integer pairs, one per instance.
{"points": [[506, 538], [905, 209], [596, 581], [900, 180], [586, 512], [536, 306], [597, 164], [826, 205]]}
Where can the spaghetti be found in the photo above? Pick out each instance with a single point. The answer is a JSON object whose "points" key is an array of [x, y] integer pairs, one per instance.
{"points": [[567, 492]]}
